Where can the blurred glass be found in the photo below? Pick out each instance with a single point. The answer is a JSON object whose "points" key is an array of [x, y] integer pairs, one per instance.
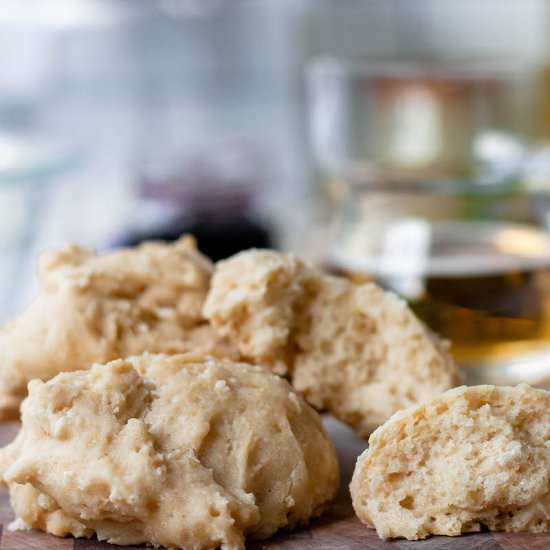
{"points": [[28, 162], [426, 167], [410, 120], [141, 87]]}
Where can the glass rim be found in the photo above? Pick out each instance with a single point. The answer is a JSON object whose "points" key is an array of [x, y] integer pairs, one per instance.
{"points": [[399, 68]]}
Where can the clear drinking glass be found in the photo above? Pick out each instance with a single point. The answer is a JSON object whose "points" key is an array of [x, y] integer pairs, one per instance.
{"points": [[425, 166]]}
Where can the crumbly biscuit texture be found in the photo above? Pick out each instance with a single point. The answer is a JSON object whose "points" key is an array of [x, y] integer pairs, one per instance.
{"points": [[97, 308], [471, 457], [354, 350], [176, 451]]}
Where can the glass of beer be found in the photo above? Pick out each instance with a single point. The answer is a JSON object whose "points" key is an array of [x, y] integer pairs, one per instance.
{"points": [[430, 197]]}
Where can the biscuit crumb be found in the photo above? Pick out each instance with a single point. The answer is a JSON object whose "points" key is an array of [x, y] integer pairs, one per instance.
{"points": [[353, 350], [18, 525]]}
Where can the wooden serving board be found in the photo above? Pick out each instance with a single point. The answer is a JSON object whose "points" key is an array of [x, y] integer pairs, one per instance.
{"points": [[339, 529]]}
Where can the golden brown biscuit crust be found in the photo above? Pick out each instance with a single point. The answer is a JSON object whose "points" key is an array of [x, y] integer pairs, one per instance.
{"points": [[97, 308], [178, 451]]}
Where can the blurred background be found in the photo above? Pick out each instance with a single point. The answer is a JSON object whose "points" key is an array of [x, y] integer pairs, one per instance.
{"points": [[402, 141]]}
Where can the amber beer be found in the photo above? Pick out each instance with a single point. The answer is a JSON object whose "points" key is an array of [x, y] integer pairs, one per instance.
{"points": [[488, 295]]}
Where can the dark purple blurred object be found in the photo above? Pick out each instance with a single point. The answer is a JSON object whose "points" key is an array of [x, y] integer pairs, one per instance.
{"points": [[213, 200]]}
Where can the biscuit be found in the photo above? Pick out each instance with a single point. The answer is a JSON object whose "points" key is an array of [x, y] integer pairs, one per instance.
{"points": [[471, 457], [354, 350], [97, 308], [177, 451]]}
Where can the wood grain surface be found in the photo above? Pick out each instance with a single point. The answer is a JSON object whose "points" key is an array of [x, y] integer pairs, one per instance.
{"points": [[339, 529]]}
